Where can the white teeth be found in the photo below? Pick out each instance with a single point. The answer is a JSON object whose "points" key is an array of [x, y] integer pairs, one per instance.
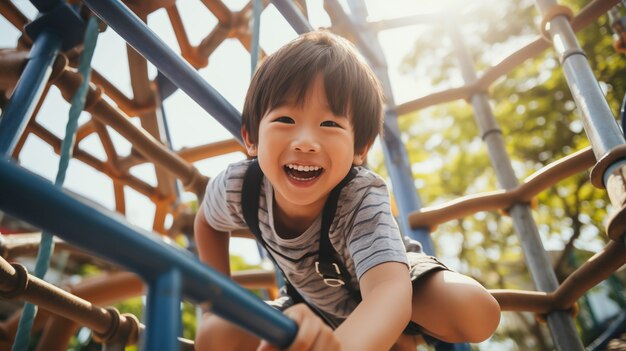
{"points": [[302, 168]]}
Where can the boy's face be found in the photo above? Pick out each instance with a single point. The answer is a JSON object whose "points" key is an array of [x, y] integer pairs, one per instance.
{"points": [[304, 151]]}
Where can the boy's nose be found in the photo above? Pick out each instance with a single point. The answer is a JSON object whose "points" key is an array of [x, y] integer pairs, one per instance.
{"points": [[305, 143]]}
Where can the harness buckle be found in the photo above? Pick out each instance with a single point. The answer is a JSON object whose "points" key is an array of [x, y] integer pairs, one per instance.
{"points": [[333, 282]]}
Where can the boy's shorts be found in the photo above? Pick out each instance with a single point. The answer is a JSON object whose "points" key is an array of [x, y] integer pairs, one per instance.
{"points": [[420, 266]]}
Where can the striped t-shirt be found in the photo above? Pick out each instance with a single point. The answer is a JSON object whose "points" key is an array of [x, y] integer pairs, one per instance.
{"points": [[364, 234]]}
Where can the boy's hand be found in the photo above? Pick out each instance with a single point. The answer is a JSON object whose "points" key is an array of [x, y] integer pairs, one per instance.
{"points": [[313, 333]]}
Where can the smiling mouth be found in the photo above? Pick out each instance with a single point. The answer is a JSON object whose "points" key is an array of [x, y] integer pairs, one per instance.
{"points": [[303, 173]]}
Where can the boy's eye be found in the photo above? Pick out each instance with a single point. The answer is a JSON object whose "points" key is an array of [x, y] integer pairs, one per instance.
{"points": [[330, 124], [284, 119]]}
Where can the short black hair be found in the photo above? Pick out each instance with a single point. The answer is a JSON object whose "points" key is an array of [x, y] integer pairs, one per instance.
{"points": [[351, 87]]}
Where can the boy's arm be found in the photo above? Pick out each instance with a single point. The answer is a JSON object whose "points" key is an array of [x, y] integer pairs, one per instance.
{"points": [[384, 312], [313, 334], [212, 244]]}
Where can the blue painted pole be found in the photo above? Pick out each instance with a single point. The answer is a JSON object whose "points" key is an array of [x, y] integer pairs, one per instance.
{"points": [[166, 87], [396, 156], [100, 232], [257, 8], [45, 5], [162, 117], [163, 312], [399, 168], [362, 35], [123, 21], [293, 15], [28, 91]]}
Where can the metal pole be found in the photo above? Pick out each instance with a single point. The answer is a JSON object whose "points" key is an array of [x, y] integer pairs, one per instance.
{"points": [[163, 312], [600, 124], [293, 15], [403, 186], [560, 323], [363, 38], [147, 43], [396, 156], [45, 5], [143, 252], [28, 91], [257, 9]]}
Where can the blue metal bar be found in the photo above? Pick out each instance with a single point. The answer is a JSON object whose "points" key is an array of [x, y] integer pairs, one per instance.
{"points": [[399, 168], [598, 120], [256, 35], [162, 116], [396, 156], [147, 43], [163, 312], [28, 91], [293, 15], [166, 87], [363, 41], [600, 126], [107, 235], [560, 323], [60, 18], [45, 5]]}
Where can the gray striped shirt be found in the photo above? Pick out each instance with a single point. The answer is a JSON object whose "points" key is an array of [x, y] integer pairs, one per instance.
{"points": [[364, 233]]}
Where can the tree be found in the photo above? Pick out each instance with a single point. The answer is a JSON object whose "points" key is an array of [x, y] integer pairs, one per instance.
{"points": [[540, 124]]}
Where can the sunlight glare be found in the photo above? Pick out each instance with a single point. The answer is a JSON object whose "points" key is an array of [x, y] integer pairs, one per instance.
{"points": [[380, 10]]}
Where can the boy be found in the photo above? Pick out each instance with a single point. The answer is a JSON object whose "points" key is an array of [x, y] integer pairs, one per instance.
{"points": [[312, 112]]}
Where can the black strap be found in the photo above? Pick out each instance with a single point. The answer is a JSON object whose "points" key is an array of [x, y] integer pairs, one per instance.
{"points": [[250, 194], [330, 268]]}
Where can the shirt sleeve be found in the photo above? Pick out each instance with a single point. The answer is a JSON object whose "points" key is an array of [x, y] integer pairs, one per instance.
{"points": [[222, 199], [373, 237]]}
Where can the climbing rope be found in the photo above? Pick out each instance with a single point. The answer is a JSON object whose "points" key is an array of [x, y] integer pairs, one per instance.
{"points": [[46, 246]]}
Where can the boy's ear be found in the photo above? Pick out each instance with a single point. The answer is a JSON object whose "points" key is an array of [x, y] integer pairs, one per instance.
{"points": [[250, 146], [360, 157]]}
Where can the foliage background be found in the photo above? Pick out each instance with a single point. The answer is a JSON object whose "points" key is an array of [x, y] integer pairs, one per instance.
{"points": [[540, 124]]}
